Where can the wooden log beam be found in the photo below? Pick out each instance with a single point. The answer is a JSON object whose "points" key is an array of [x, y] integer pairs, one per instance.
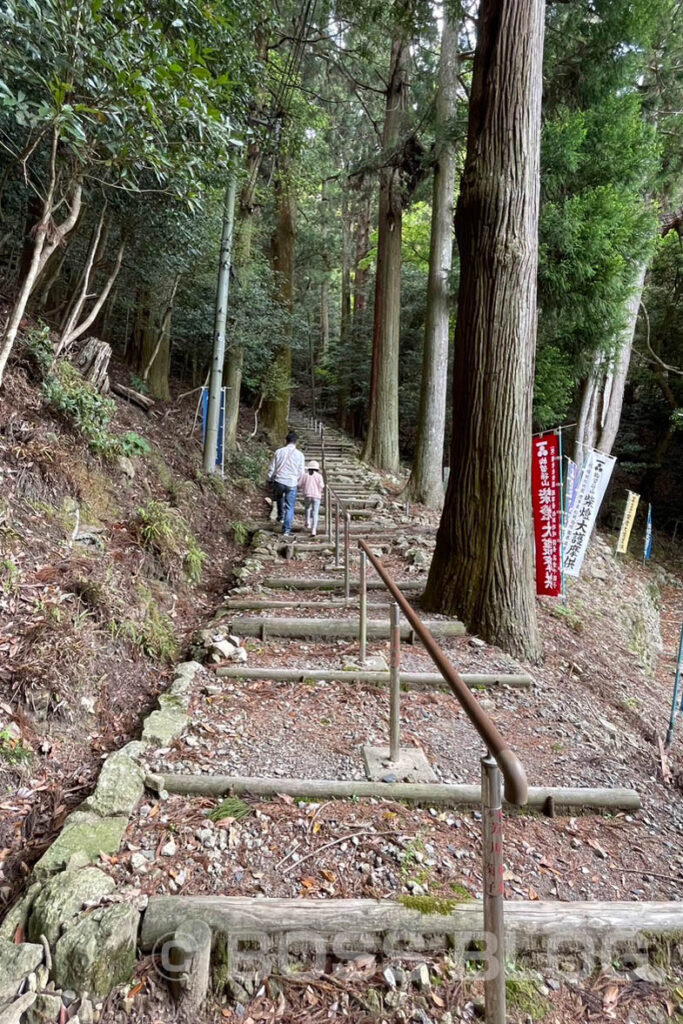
{"points": [[233, 604], [429, 794], [325, 583], [419, 680], [143, 401], [376, 628], [601, 928]]}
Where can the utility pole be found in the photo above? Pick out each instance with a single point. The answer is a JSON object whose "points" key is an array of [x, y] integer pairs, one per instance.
{"points": [[216, 379]]}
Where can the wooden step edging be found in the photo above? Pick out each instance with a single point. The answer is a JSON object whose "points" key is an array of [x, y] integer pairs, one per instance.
{"points": [[425, 680], [540, 797], [330, 583], [599, 930], [377, 629]]}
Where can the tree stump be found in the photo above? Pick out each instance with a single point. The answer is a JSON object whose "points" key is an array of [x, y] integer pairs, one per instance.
{"points": [[93, 362]]}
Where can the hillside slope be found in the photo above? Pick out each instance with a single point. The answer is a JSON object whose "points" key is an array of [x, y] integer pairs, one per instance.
{"points": [[107, 564]]}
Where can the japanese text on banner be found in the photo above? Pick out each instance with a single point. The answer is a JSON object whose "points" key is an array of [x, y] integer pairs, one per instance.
{"points": [[627, 524], [546, 506], [590, 491]]}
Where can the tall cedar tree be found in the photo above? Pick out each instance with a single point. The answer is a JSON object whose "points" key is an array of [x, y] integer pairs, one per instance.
{"points": [[482, 566], [426, 481], [381, 444]]}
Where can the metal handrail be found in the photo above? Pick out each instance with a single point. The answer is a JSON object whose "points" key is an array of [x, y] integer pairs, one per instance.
{"points": [[516, 789]]}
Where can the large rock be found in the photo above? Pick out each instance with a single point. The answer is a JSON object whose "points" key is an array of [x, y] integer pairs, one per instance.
{"points": [[84, 832], [12, 1014], [17, 961], [163, 726], [18, 915], [119, 787], [47, 1007], [98, 952], [62, 898]]}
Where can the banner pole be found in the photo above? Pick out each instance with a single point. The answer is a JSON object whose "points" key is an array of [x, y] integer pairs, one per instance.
{"points": [[562, 516], [674, 702]]}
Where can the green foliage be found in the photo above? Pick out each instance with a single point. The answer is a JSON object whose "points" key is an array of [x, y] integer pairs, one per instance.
{"points": [[125, 86], [13, 751], [249, 463], [523, 995], [9, 577], [231, 807], [78, 403], [163, 531], [240, 533], [131, 443], [138, 384], [154, 634], [429, 904], [72, 397]]}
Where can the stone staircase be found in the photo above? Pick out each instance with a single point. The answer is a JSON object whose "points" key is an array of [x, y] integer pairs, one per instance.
{"points": [[296, 714]]}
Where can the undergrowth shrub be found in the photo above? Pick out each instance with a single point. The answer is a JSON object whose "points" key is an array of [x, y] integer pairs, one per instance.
{"points": [[80, 404], [249, 464], [164, 532], [154, 635]]}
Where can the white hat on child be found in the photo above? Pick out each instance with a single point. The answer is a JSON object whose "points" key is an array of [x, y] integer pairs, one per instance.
{"points": [[313, 465]]}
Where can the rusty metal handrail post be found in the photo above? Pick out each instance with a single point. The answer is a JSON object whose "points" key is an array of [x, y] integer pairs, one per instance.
{"points": [[363, 615], [494, 931], [516, 789], [336, 532], [394, 682], [328, 513], [347, 555]]}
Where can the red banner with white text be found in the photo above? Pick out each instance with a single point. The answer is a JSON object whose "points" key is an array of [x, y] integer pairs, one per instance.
{"points": [[547, 514]]}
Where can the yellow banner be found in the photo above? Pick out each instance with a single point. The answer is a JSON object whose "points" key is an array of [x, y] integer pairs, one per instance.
{"points": [[627, 525]]}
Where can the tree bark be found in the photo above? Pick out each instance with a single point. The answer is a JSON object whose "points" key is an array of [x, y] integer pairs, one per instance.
{"points": [[602, 396], [275, 413], [360, 274], [47, 237], [157, 364], [246, 219], [482, 565], [381, 444], [426, 481]]}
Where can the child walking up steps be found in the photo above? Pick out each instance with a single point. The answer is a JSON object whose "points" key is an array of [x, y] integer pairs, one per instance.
{"points": [[312, 485]]}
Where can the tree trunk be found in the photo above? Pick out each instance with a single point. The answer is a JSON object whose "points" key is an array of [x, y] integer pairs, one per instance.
{"points": [[612, 413], [482, 565], [47, 237], [360, 274], [93, 362], [246, 219], [426, 482], [324, 316], [142, 329], [381, 444], [275, 413], [602, 395], [157, 364]]}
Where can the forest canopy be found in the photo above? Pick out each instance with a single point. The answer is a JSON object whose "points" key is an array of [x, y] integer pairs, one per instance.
{"points": [[345, 128]]}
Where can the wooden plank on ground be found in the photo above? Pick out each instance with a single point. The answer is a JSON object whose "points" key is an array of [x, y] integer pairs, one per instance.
{"points": [[415, 792], [377, 629], [424, 680], [602, 928]]}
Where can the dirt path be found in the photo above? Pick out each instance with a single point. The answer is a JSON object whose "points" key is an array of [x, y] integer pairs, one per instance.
{"points": [[591, 719]]}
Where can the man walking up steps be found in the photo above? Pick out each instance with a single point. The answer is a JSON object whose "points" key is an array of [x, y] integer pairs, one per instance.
{"points": [[284, 472]]}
